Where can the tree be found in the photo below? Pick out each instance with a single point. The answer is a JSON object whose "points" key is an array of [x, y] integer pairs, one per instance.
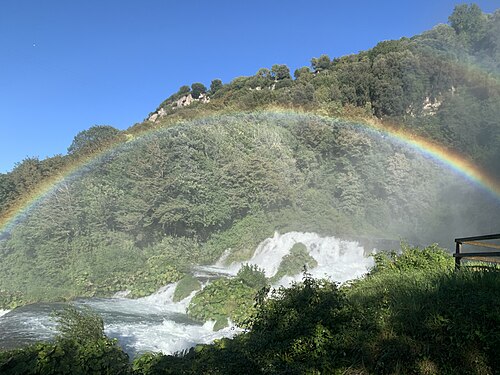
{"points": [[280, 71], [94, 139], [7, 190], [197, 89], [81, 326], [215, 86], [321, 63], [27, 174], [303, 73], [468, 21], [264, 73], [184, 90]]}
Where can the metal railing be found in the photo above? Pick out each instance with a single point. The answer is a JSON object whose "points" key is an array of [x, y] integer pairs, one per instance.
{"points": [[488, 256]]}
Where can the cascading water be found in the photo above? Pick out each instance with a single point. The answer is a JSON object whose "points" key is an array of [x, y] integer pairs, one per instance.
{"points": [[156, 323], [337, 260]]}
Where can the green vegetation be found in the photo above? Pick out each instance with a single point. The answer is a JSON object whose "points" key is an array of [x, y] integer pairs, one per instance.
{"points": [[80, 349], [142, 215], [252, 276], [185, 287], [95, 139], [228, 298], [295, 262], [222, 299], [226, 174], [197, 89], [153, 201], [413, 314]]}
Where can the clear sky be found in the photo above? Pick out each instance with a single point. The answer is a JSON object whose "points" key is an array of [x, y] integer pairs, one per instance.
{"points": [[66, 65]]}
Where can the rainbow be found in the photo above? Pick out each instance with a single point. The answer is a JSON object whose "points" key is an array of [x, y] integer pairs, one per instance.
{"points": [[23, 207], [448, 159]]}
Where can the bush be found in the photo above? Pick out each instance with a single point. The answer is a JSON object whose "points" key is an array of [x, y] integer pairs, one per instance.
{"points": [[431, 258], [252, 276], [81, 326], [222, 299], [185, 287], [293, 263], [81, 348]]}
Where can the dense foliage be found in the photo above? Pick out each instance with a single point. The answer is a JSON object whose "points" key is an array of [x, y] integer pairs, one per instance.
{"points": [[295, 261], [229, 298], [265, 153], [185, 287]]}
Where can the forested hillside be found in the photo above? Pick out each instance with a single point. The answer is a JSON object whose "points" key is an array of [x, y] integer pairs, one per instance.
{"points": [[224, 167]]}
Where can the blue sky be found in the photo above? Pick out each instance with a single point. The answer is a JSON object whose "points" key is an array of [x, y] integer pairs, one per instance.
{"points": [[68, 65]]}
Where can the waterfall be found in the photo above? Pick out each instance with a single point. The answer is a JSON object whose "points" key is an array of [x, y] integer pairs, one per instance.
{"points": [[339, 260]]}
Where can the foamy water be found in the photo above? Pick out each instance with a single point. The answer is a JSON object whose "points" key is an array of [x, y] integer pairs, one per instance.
{"points": [[156, 323], [339, 260], [3, 312]]}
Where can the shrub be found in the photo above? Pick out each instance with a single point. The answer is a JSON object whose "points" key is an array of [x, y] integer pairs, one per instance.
{"points": [[294, 263], [222, 299], [431, 258], [252, 276], [185, 287]]}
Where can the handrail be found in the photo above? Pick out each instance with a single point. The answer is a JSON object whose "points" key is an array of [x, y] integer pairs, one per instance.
{"points": [[474, 241]]}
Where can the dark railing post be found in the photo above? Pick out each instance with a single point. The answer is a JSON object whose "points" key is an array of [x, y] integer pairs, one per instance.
{"points": [[457, 255]]}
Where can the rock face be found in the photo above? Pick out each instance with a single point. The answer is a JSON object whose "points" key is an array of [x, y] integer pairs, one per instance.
{"points": [[184, 101], [188, 100], [430, 107]]}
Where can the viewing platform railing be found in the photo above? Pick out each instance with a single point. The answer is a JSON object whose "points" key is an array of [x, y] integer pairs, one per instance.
{"points": [[485, 256]]}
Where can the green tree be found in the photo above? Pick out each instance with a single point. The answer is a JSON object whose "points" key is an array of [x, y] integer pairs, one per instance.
{"points": [[27, 174], [215, 86], [303, 73], [280, 71], [321, 63], [468, 21], [184, 90], [7, 190], [94, 139], [197, 89], [263, 73], [81, 326]]}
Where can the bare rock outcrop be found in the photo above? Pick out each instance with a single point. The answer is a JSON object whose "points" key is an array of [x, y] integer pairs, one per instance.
{"points": [[183, 101]]}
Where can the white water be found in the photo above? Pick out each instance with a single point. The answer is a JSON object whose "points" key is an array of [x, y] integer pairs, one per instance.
{"points": [[3, 312], [156, 323], [169, 333], [338, 260]]}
